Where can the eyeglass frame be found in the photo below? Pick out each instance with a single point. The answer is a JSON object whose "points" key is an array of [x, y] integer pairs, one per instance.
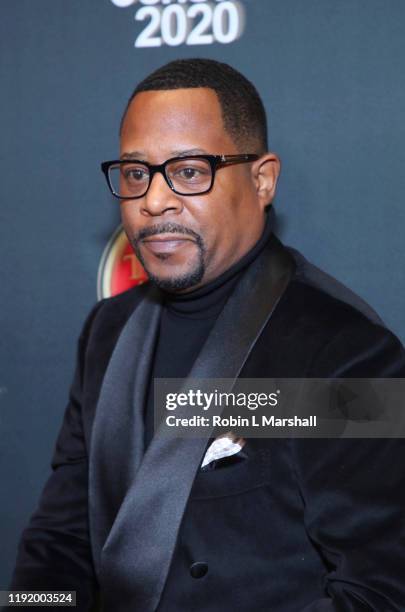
{"points": [[215, 161]]}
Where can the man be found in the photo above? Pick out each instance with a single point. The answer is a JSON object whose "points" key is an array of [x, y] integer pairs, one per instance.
{"points": [[290, 524]]}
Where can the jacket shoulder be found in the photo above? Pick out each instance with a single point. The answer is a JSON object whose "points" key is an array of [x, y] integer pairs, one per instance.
{"points": [[320, 328], [112, 313], [317, 298], [312, 276]]}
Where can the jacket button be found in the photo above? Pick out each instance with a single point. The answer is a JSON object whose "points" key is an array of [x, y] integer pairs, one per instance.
{"points": [[198, 569]]}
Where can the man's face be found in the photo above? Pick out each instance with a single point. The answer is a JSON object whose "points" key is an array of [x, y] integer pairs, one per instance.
{"points": [[186, 241]]}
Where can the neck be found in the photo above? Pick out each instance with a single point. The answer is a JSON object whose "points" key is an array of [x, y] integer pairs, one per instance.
{"points": [[208, 300]]}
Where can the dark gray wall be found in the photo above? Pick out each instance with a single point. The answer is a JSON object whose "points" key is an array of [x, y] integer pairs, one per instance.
{"points": [[331, 75]]}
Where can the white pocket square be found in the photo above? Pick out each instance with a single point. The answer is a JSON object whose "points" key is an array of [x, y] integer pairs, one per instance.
{"points": [[225, 445]]}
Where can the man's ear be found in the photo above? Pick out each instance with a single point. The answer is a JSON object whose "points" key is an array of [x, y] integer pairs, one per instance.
{"points": [[265, 174]]}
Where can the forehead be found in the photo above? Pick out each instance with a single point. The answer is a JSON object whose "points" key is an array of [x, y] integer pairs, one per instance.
{"points": [[164, 122]]}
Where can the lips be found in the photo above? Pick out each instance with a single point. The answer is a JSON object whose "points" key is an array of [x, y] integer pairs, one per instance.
{"points": [[166, 243]]}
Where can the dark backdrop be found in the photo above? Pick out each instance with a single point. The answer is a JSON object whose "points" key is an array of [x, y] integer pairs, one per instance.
{"points": [[331, 76]]}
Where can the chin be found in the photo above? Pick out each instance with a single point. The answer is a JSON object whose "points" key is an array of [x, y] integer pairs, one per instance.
{"points": [[176, 280]]}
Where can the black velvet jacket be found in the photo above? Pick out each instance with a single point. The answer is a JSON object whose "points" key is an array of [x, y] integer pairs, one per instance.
{"points": [[298, 525]]}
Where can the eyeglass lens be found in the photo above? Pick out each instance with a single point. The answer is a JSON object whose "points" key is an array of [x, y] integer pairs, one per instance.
{"points": [[186, 176]]}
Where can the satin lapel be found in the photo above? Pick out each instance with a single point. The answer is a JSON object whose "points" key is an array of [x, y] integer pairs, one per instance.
{"points": [[117, 437], [137, 555]]}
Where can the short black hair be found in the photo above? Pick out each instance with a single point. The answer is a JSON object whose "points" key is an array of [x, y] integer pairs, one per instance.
{"points": [[242, 109]]}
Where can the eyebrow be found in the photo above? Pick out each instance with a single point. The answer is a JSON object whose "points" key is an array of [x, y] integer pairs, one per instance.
{"points": [[177, 153], [133, 155]]}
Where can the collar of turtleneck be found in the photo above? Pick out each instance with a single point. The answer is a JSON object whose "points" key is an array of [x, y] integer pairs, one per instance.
{"points": [[207, 301]]}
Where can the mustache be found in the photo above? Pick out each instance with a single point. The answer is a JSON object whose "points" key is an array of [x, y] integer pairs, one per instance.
{"points": [[166, 228]]}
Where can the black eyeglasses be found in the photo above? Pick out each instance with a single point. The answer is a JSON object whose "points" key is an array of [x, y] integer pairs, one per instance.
{"points": [[191, 175]]}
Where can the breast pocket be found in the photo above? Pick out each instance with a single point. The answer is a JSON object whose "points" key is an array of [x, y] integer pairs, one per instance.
{"points": [[232, 477]]}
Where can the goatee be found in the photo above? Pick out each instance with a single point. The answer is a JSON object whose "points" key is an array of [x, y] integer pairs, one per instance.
{"points": [[172, 283]]}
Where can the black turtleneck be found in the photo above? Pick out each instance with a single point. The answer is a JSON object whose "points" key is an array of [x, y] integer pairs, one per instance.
{"points": [[188, 318]]}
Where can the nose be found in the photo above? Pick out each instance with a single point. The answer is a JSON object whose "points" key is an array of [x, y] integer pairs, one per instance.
{"points": [[159, 198]]}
